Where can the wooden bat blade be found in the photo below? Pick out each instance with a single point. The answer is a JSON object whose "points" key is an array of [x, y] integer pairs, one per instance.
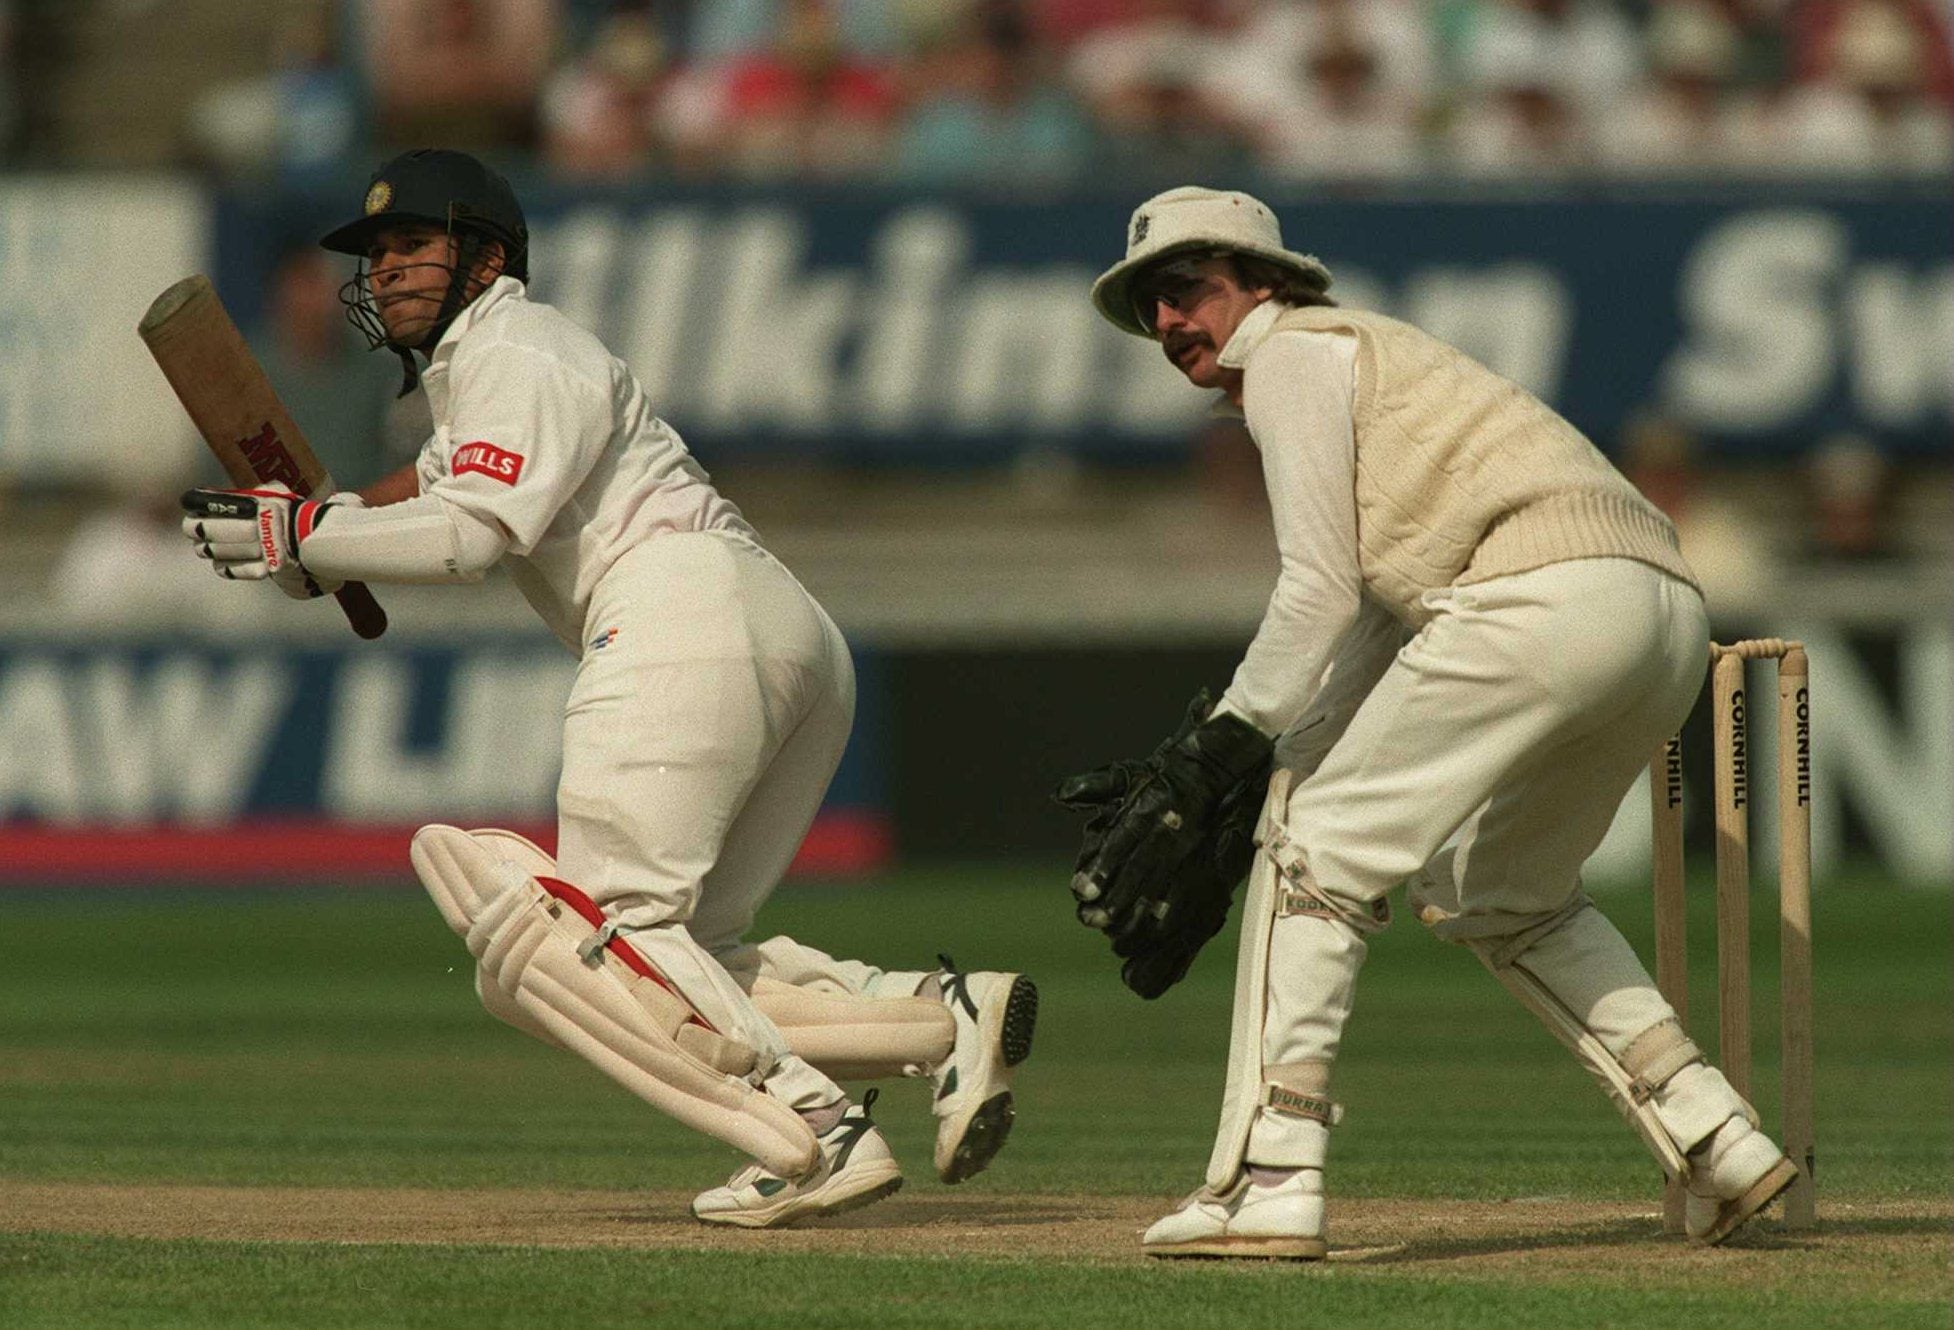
{"points": [[233, 405]]}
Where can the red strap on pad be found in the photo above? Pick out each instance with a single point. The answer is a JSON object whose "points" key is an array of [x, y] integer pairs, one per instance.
{"points": [[617, 946]]}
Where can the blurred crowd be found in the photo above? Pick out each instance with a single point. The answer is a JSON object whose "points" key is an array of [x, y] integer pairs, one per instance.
{"points": [[1017, 93]]}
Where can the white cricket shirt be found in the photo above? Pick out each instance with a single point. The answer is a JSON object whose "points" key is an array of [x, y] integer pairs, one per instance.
{"points": [[545, 453]]}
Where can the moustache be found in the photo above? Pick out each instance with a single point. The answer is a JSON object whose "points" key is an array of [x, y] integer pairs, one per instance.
{"points": [[1175, 343]]}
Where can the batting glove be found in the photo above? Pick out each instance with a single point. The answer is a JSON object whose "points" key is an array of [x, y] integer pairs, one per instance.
{"points": [[252, 535]]}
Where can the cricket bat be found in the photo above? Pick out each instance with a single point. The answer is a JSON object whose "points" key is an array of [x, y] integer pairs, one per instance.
{"points": [[234, 407]]}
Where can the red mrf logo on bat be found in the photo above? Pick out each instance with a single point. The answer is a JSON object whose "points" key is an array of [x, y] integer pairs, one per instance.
{"points": [[489, 460]]}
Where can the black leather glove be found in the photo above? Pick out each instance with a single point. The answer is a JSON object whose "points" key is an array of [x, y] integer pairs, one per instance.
{"points": [[1124, 882], [1198, 899], [1099, 793]]}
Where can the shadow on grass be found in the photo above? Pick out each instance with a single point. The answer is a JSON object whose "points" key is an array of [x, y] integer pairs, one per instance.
{"points": [[1610, 1233], [1767, 1237]]}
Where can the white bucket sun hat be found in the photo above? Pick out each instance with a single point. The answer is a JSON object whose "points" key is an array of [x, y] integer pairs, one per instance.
{"points": [[1189, 219]]}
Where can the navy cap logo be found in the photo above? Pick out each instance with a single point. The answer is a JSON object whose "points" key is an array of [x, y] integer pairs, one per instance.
{"points": [[379, 197]]}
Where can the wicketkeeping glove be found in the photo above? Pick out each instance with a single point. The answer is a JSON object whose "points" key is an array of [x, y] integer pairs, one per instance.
{"points": [[256, 534], [1101, 792], [1198, 898], [1125, 882]]}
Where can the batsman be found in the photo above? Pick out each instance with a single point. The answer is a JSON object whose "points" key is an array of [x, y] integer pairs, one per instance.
{"points": [[712, 700], [1478, 633]]}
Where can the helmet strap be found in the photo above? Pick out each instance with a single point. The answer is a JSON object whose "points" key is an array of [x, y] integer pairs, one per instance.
{"points": [[410, 371], [468, 251]]}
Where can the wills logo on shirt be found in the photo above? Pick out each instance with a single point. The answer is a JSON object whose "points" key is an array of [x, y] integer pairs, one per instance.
{"points": [[488, 459]]}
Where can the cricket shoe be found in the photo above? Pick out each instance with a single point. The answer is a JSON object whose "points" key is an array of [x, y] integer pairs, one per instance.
{"points": [[856, 1169], [994, 1015], [1733, 1175], [1280, 1218]]}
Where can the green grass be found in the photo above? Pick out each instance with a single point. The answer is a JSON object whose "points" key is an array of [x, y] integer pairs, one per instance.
{"points": [[333, 1039], [69, 1282]]}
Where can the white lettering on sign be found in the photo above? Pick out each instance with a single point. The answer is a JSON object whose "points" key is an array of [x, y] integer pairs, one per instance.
{"points": [[184, 740], [1514, 318], [1024, 348], [1776, 316], [732, 325], [1758, 347], [57, 314], [919, 257], [40, 764], [581, 274], [495, 755], [774, 345], [112, 742], [659, 318], [1893, 764], [724, 322], [1902, 325]]}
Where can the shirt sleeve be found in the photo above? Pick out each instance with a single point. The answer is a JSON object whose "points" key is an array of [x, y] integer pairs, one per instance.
{"points": [[1298, 391], [524, 431], [1366, 651], [422, 539]]}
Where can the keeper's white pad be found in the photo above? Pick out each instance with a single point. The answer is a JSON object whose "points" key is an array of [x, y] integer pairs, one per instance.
{"points": [[546, 955], [1297, 1090], [850, 1038], [1533, 973]]}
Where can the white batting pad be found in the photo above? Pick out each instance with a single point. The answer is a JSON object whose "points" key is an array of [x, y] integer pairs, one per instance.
{"points": [[536, 862], [581, 990], [858, 1038], [519, 850]]}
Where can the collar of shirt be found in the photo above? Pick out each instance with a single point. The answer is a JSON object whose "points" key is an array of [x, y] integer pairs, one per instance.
{"points": [[434, 377], [1248, 334]]}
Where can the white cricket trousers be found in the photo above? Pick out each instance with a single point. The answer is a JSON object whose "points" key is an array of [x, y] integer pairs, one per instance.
{"points": [[1504, 734], [1517, 719], [698, 742]]}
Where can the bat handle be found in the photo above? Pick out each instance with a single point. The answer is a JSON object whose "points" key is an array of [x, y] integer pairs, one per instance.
{"points": [[362, 610]]}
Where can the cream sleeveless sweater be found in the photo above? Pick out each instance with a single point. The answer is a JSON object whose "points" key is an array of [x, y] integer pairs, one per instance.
{"points": [[1464, 476]]}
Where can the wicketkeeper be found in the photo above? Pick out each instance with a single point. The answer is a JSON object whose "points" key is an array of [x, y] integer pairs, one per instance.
{"points": [[712, 701], [1479, 633]]}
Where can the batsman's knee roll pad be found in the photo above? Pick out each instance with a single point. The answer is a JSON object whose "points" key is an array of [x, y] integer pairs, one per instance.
{"points": [[858, 1038], [547, 955]]}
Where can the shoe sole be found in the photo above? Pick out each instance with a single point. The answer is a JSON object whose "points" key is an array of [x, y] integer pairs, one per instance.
{"points": [[1762, 1192], [985, 1134], [791, 1214], [982, 1139], [1020, 1019], [1241, 1249]]}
